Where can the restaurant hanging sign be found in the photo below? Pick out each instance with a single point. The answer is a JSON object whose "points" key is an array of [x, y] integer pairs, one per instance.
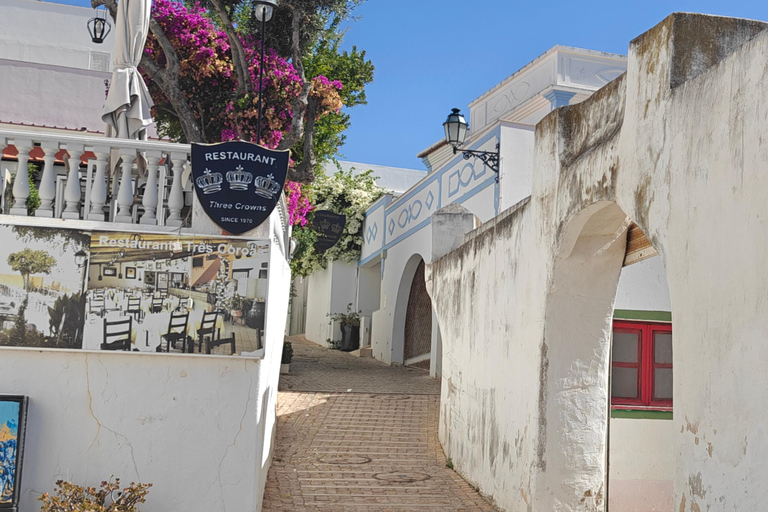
{"points": [[238, 183], [329, 227]]}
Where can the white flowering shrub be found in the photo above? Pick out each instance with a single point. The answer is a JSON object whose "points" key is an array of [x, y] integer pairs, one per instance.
{"points": [[342, 193]]}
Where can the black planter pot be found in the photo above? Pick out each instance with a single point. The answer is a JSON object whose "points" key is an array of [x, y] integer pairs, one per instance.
{"points": [[350, 337]]}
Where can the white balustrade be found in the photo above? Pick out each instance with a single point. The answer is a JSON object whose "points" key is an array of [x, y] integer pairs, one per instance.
{"points": [[125, 193], [72, 190], [99, 184], [176, 198], [149, 201], [21, 181], [47, 189], [162, 208]]}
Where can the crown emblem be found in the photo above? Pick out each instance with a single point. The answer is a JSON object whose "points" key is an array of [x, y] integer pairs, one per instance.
{"points": [[239, 179], [209, 182], [267, 187], [325, 224]]}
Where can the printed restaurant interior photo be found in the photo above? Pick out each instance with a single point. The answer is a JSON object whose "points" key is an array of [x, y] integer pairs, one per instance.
{"points": [[162, 293]]}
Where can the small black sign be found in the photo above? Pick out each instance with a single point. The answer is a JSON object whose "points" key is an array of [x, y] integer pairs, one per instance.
{"points": [[329, 227], [238, 183]]}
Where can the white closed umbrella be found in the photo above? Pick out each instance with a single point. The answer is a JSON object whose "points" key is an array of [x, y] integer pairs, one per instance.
{"points": [[127, 109]]}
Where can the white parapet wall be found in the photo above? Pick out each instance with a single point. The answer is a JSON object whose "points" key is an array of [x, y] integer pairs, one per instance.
{"points": [[200, 428], [526, 304]]}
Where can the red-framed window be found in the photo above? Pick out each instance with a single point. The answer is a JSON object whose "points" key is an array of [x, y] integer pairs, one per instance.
{"points": [[641, 366]]}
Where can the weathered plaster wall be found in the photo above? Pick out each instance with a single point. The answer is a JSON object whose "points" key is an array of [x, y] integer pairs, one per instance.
{"points": [[643, 286], [330, 291], [525, 304]]}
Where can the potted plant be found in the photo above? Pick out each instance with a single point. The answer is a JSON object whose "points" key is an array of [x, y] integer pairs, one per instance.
{"points": [[237, 309], [285, 366], [350, 328]]}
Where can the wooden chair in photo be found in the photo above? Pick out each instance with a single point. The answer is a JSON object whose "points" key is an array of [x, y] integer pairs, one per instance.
{"points": [[134, 308], [157, 305], [117, 334], [164, 294], [207, 328], [177, 333], [97, 304], [210, 344], [183, 304]]}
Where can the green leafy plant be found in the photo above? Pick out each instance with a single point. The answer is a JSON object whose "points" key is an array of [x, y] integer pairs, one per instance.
{"points": [[287, 353], [349, 318], [344, 193], [28, 262], [69, 497]]}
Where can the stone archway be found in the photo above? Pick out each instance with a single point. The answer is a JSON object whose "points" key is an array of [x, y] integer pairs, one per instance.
{"points": [[417, 334]]}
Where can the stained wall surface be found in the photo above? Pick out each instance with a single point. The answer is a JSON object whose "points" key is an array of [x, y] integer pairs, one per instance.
{"points": [[525, 305]]}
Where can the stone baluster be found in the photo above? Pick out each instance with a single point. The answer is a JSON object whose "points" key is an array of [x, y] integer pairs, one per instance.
{"points": [[21, 182], [47, 191], [125, 193], [149, 201], [99, 184], [72, 190], [176, 198]]}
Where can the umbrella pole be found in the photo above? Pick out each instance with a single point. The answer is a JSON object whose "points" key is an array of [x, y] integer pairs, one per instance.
{"points": [[261, 80]]}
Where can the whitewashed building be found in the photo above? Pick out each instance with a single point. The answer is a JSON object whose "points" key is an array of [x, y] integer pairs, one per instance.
{"points": [[198, 427]]}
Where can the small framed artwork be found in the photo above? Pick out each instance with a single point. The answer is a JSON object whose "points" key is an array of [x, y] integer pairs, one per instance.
{"points": [[13, 422], [130, 272], [149, 278], [110, 271]]}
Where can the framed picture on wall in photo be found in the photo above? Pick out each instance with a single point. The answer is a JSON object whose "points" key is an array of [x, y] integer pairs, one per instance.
{"points": [[149, 278], [110, 271], [130, 272], [13, 421]]}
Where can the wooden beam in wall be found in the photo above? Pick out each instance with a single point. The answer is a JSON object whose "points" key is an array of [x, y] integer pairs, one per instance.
{"points": [[639, 248]]}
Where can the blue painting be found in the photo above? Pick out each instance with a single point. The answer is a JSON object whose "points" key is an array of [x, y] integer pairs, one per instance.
{"points": [[9, 439]]}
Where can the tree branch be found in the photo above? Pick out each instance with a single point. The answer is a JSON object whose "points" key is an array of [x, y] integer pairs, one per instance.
{"points": [[304, 172], [300, 104], [167, 79], [110, 4], [244, 85]]}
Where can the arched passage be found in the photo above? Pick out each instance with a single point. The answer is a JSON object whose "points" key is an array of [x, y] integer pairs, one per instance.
{"points": [[414, 320], [574, 394], [417, 332]]}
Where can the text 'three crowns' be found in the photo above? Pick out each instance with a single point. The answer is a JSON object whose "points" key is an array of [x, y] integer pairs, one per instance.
{"points": [[239, 179], [209, 182], [267, 187]]}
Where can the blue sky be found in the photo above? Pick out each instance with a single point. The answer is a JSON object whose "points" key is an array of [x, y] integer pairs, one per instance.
{"points": [[432, 55]]}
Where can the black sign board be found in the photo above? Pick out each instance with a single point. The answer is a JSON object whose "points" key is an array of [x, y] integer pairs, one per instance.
{"points": [[238, 183], [329, 227]]}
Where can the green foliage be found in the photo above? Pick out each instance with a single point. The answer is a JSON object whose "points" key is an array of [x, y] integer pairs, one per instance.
{"points": [[108, 498], [33, 201], [66, 319], [355, 72], [449, 463], [287, 353], [28, 262], [343, 193], [349, 318]]}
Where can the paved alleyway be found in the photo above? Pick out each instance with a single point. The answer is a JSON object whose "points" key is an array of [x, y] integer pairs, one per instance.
{"points": [[356, 435]]}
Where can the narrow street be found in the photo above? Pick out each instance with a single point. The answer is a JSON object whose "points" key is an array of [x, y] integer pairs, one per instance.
{"points": [[355, 434]]}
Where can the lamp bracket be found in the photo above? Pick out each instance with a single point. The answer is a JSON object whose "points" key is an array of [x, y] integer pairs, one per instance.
{"points": [[489, 158]]}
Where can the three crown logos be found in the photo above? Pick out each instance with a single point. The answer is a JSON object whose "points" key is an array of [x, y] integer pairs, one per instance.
{"points": [[211, 182]]}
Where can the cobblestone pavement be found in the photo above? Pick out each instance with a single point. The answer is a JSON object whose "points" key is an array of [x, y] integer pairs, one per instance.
{"points": [[374, 449]]}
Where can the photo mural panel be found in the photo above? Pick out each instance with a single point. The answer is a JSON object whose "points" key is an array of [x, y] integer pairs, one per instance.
{"points": [[42, 274], [147, 292]]}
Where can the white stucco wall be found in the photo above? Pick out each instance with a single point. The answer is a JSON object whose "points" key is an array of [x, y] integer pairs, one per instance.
{"points": [[642, 465], [329, 291], [524, 395], [643, 286], [516, 178]]}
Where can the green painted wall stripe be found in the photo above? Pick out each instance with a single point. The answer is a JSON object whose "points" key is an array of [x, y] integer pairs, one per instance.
{"points": [[640, 414], [632, 314]]}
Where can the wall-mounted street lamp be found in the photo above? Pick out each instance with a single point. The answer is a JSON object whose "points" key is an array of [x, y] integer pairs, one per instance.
{"points": [[262, 10], [99, 26], [456, 131]]}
